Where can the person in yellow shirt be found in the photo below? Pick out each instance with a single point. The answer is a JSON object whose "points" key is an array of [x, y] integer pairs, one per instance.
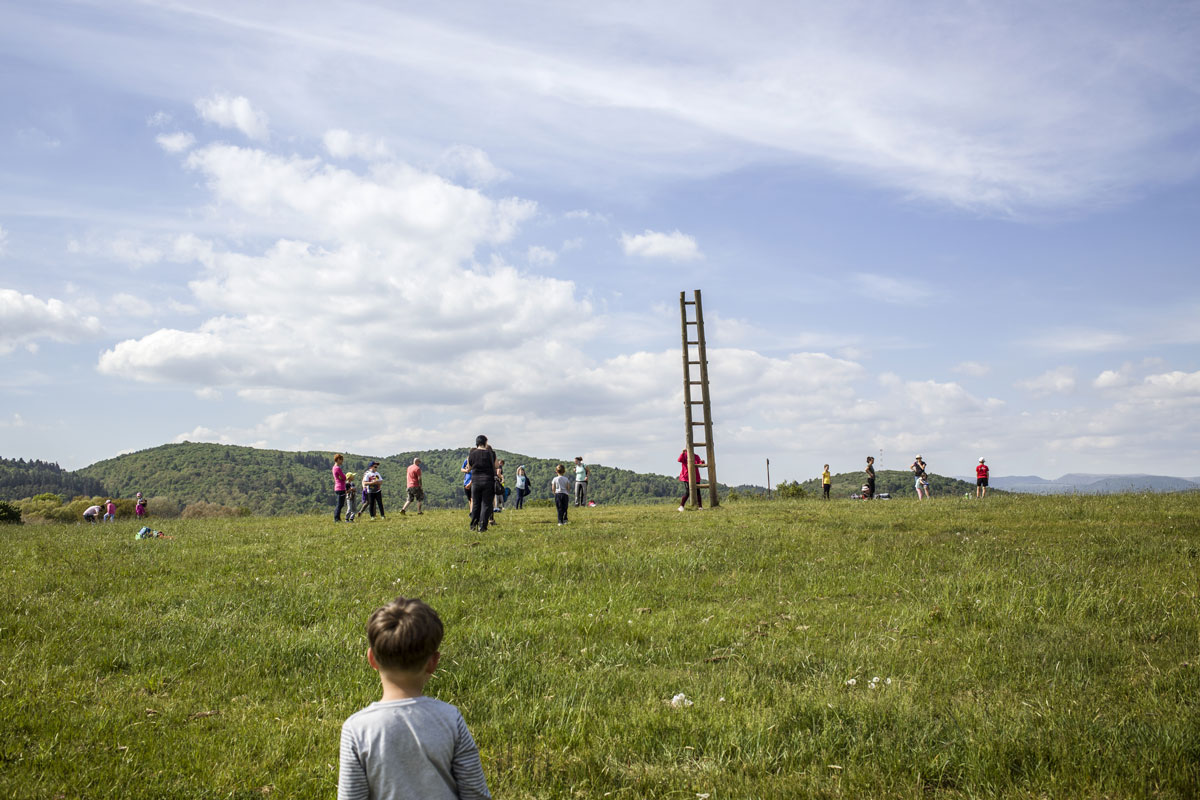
{"points": [[826, 480]]}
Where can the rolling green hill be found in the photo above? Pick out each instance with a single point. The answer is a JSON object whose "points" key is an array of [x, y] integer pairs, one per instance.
{"points": [[273, 482]]}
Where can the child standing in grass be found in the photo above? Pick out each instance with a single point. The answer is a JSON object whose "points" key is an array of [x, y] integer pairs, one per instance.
{"points": [[562, 492], [407, 745]]}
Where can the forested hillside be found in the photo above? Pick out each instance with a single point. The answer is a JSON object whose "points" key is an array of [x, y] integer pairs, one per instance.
{"points": [[20, 478], [270, 482]]}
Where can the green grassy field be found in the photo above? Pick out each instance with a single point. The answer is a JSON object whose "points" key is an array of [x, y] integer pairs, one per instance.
{"points": [[1024, 647]]}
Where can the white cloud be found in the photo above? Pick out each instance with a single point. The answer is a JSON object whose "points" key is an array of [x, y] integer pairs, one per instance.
{"points": [[1171, 385], [674, 246], [427, 217], [936, 399], [1055, 381], [541, 256], [470, 164], [1111, 379], [344, 144], [973, 368], [24, 319], [234, 112], [175, 142], [159, 119]]}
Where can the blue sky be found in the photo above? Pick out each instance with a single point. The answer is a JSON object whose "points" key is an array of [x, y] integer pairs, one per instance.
{"points": [[962, 230]]}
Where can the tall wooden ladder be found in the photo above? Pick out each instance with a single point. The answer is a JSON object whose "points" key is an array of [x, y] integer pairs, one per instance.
{"points": [[695, 373]]}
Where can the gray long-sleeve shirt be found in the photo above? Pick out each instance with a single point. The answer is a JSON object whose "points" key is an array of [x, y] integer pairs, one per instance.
{"points": [[414, 748]]}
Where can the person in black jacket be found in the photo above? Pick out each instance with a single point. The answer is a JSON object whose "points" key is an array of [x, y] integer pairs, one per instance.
{"points": [[481, 463]]}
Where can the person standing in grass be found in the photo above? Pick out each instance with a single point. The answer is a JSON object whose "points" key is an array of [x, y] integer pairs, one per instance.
{"points": [[407, 744], [685, 475], [373, 485], [139, 506], [869, 489], [826, 482], [920, 478], [415, 490], [339, 486], [481, 465], [981, 480], [582, 473], [522, 488], [561, 487], [110, 511]]}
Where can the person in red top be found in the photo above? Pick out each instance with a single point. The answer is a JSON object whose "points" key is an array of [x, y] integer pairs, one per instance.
{"points": [[981, 476], [415, 491], [685, 475]]}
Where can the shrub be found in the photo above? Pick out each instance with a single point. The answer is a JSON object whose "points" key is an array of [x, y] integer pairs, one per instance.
{"points": [[790, 491], [9, 514]]}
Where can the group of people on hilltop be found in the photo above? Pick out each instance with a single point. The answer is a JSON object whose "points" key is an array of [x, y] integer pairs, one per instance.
{"points": [[483, 487], [920, 473]]}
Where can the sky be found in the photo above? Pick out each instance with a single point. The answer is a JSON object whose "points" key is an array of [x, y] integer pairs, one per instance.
{"points": [[959, 229]]}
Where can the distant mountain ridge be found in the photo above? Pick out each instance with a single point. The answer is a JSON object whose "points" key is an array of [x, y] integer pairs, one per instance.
{"points": [[1084, 483]]}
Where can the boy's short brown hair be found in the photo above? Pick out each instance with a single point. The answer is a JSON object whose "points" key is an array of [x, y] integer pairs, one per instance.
{"points": [[404, 634]]}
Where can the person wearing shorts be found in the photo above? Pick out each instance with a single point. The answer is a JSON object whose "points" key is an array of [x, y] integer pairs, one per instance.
{"points": [[981, 480], [415, 492], [920, 478]]}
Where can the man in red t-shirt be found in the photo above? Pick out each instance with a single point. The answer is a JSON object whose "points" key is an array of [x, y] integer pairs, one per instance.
{"points": [[415, 492], [981, 476]]}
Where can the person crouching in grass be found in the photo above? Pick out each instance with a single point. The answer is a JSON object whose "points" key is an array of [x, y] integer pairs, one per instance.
{"points": [[407, 745]]}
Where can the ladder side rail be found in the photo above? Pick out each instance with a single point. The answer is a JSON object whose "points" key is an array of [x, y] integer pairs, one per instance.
{"points": [[713, 499]]}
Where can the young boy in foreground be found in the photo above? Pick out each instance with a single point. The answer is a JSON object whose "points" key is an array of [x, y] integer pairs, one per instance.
{"points": [[407, 745]]}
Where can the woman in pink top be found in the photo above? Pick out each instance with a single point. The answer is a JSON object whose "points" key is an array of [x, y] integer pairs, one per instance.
{"points": [[685, 475], [339, 487]]}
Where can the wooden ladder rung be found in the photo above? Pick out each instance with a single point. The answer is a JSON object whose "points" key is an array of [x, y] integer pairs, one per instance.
{"points": [[693, 362]]}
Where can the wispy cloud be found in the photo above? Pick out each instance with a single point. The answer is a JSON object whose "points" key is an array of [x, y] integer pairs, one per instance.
{"points": [[972, 368], [1054, 381], [887, 289]]}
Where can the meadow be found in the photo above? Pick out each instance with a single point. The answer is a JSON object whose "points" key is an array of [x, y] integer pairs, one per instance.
{"points": [[1019, 647]]}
